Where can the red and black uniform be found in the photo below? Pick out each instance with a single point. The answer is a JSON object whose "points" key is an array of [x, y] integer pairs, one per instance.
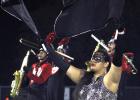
{"points": [[39, 73], [45, 83]]}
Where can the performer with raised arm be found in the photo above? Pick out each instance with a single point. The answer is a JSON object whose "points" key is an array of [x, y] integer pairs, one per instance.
{"points": [[99, 83], [44, 80]]}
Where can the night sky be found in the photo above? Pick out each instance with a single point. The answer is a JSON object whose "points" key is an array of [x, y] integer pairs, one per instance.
{"points": [[44, 13]]}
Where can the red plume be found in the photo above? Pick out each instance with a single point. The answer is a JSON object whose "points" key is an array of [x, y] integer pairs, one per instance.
{"points": [[64, 41], [50, 38]]}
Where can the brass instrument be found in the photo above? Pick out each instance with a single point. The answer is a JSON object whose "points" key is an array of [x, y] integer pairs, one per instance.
{"points": [[88, 66], [16, 83]]}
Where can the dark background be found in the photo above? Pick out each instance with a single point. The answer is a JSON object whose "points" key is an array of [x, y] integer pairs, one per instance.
{"points": [[44, 13]]}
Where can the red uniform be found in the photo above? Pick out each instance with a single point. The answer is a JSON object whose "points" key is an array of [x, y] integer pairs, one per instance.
{"points": [[39, 73]]}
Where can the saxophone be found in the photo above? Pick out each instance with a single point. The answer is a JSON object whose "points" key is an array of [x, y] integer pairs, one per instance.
{"points": [[16, 83]]}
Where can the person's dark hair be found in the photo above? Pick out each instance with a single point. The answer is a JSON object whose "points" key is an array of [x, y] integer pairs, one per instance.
{"points": [[107, 58], [89, 75]]}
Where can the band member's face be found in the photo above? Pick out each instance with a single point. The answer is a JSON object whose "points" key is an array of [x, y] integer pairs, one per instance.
{"points": [[98, 62], [42, 55], [96, 66]]}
